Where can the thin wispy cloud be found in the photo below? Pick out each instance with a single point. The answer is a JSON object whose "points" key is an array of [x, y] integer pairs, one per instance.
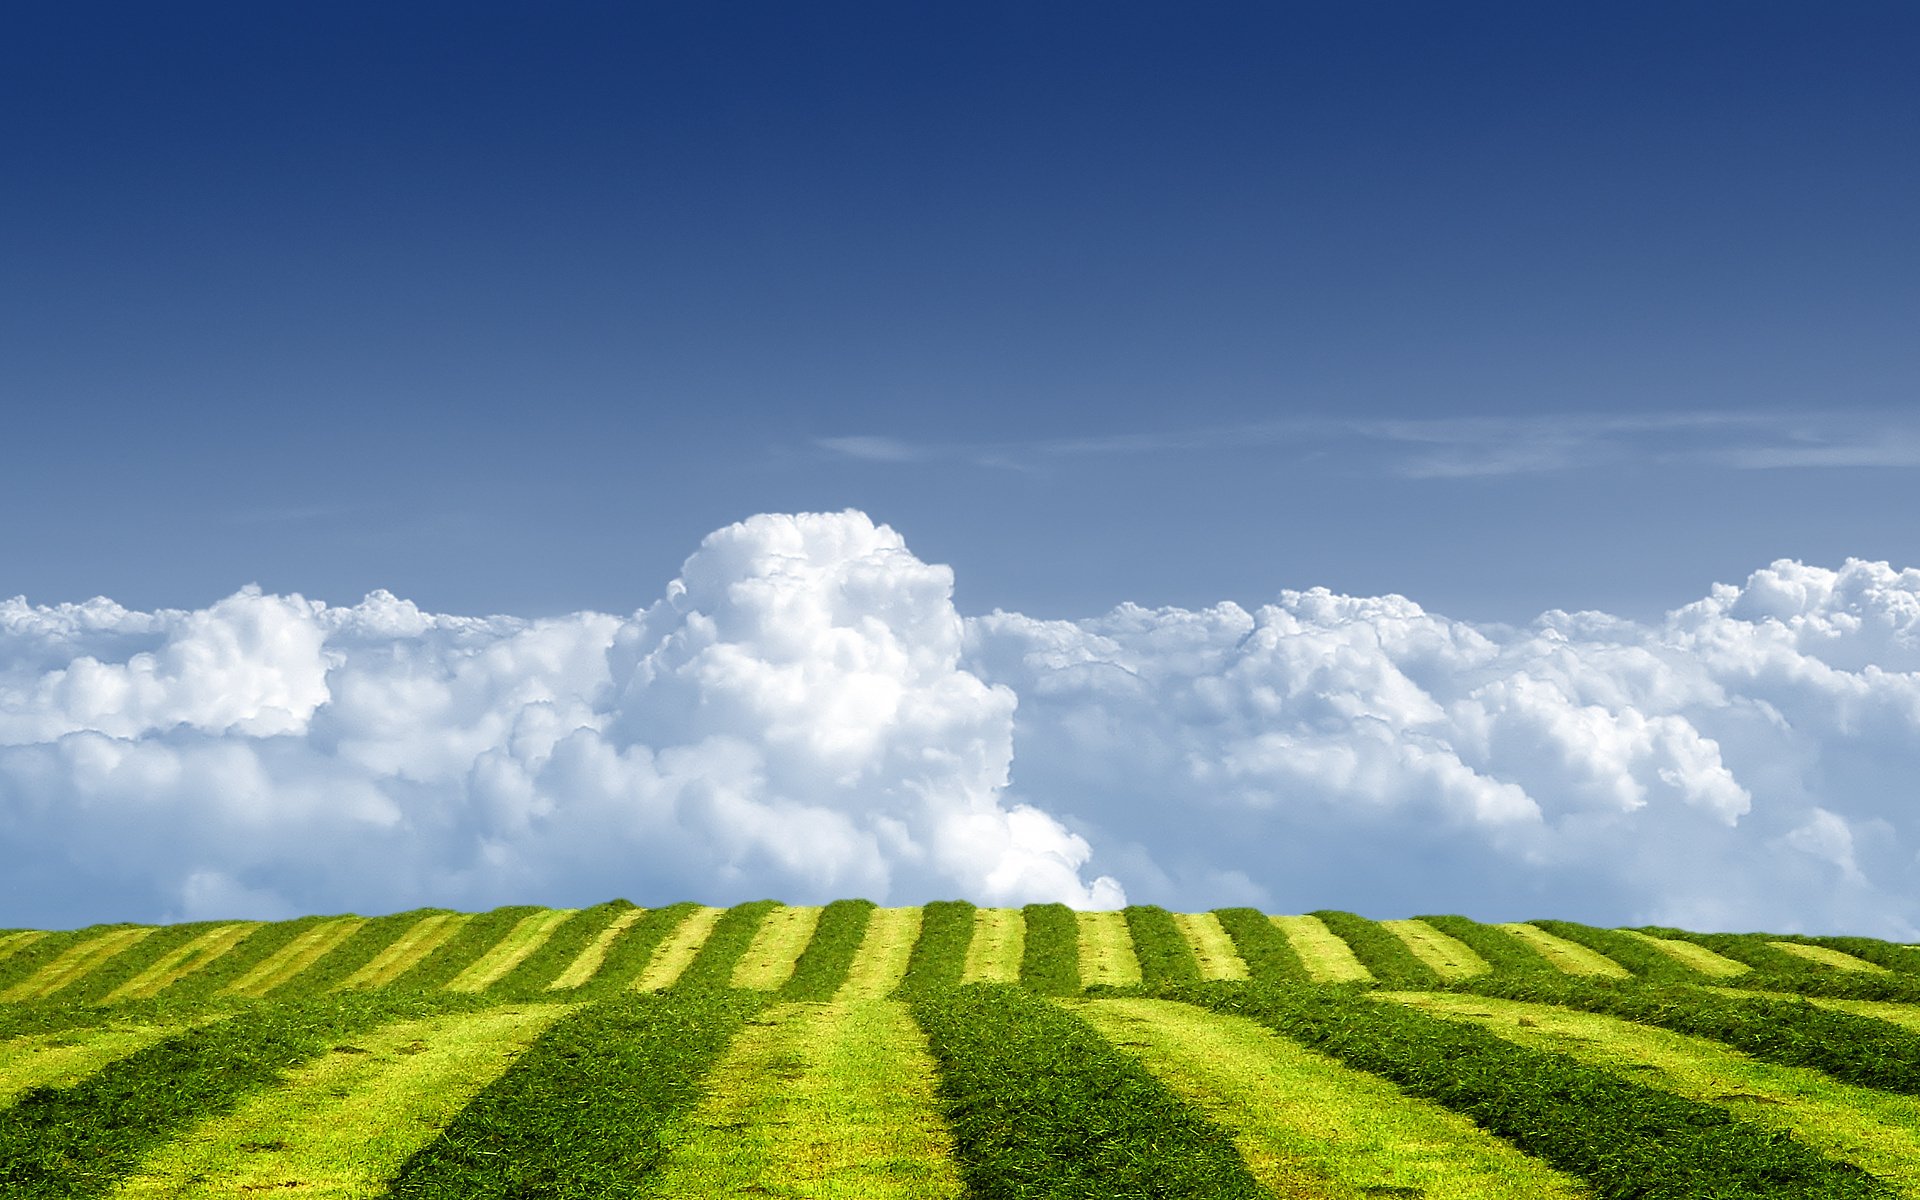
{"points": [[1470, 447]]}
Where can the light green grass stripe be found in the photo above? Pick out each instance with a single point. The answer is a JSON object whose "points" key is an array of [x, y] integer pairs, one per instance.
{"points": [[407, 951], [1213, 949], [1876, 1131], [1308, 1126], [341, 1125], [999, 939], [1689, 954], [1906, 1016], [818, 1102], [295, 957], [58, 1060], [881, 962], [1826, 956], [1449, 957], [1569, 958], [776, 947], [527, 935], [1106, 950], [673, 954], [18, 940], [75, 963], [591, 959], [1327, 958], [184, 961]]}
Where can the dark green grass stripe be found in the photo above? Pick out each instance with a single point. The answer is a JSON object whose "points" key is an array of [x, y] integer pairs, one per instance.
{"points": [[338, 964], [1165, 958], [822, 966], [1042, 1106], [1050, 957], [939, 954], [476, 937], [1505, 953], [24, 964], [1905, 959], [94, 986], [543, 966], [1776, 970], [1771, 962], [632, 950], [1269, 955], [1392, 964], [1626, 1139], [1649, 963], [713, 966], [588, 1110], [78, 1141], [260, 945], [1856, 1049]]}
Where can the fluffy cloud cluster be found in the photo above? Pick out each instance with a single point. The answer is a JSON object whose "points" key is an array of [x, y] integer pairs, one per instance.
{"points": [[790, 719], [1748, 762], [804, 714]]}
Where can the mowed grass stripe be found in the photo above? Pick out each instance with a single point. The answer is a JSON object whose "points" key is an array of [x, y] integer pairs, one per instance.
{"points": [[295, 957], [1690, 955], [58, 1060], [1050, 950], [398, 957], [881, 962], [1042, 1106], [1323, 955], [1645, 958], [594, 956], [1308, 1126], [1449, 957], [590, 1109], [1214, 955], [823, 965], [76, 962], [183, 961], [999, 941], [528, 935], [1907, 1016], [18, 940], [1570, 958], [1827, 956], [1106, 950], [776, 948], [1268, 953], [341, 1124], [1876, 1131], [674, 954], [818, 1102]]}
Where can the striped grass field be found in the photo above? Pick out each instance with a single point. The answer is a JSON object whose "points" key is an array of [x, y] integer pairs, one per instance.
{"points": [[849, 1050]]}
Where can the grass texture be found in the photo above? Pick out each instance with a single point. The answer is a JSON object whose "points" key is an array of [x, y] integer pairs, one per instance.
{"points": [[823, 965], [1050, 957]]}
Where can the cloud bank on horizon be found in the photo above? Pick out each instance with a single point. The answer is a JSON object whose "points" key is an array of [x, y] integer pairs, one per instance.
{"points": [[804, 714]]}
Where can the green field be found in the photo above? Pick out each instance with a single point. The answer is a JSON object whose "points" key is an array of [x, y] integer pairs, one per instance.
{"points": [[855, 1051]]}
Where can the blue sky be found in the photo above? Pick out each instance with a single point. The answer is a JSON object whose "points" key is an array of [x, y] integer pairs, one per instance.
{"points": [[503, 307]]}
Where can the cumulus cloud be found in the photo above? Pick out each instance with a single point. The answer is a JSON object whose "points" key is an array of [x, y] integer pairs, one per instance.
{"points": [[804, 714]]}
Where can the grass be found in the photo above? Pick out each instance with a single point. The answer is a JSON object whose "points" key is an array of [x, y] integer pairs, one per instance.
{"points": [[62, 1059], [823, 966], [1166, 960], [1444, 955], [421, 938], [678, 949], [1872, 1130], [940, 952], [1308, 1126], [1623, 1138], [534, 974], [1050, 953], [775, 951], [1387, 958], [880, 964], [1323, 955], [1106, 957], [1827, 956], [997, 948], [75, 962], [592, 960], [477, 936], [1568, 957], [1698, 958], [1641, 955], [724, 947], [1042, 1106], [184, 960], [527, 935], [1213, 954], [818, 1102], [1495, 945], [80, 1140], [295, 956], [341, 1123], [589, 1110], [1268, 952]]}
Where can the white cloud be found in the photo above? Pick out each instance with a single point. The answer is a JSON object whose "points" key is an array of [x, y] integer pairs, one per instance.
{"points": [[804, 714]]}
